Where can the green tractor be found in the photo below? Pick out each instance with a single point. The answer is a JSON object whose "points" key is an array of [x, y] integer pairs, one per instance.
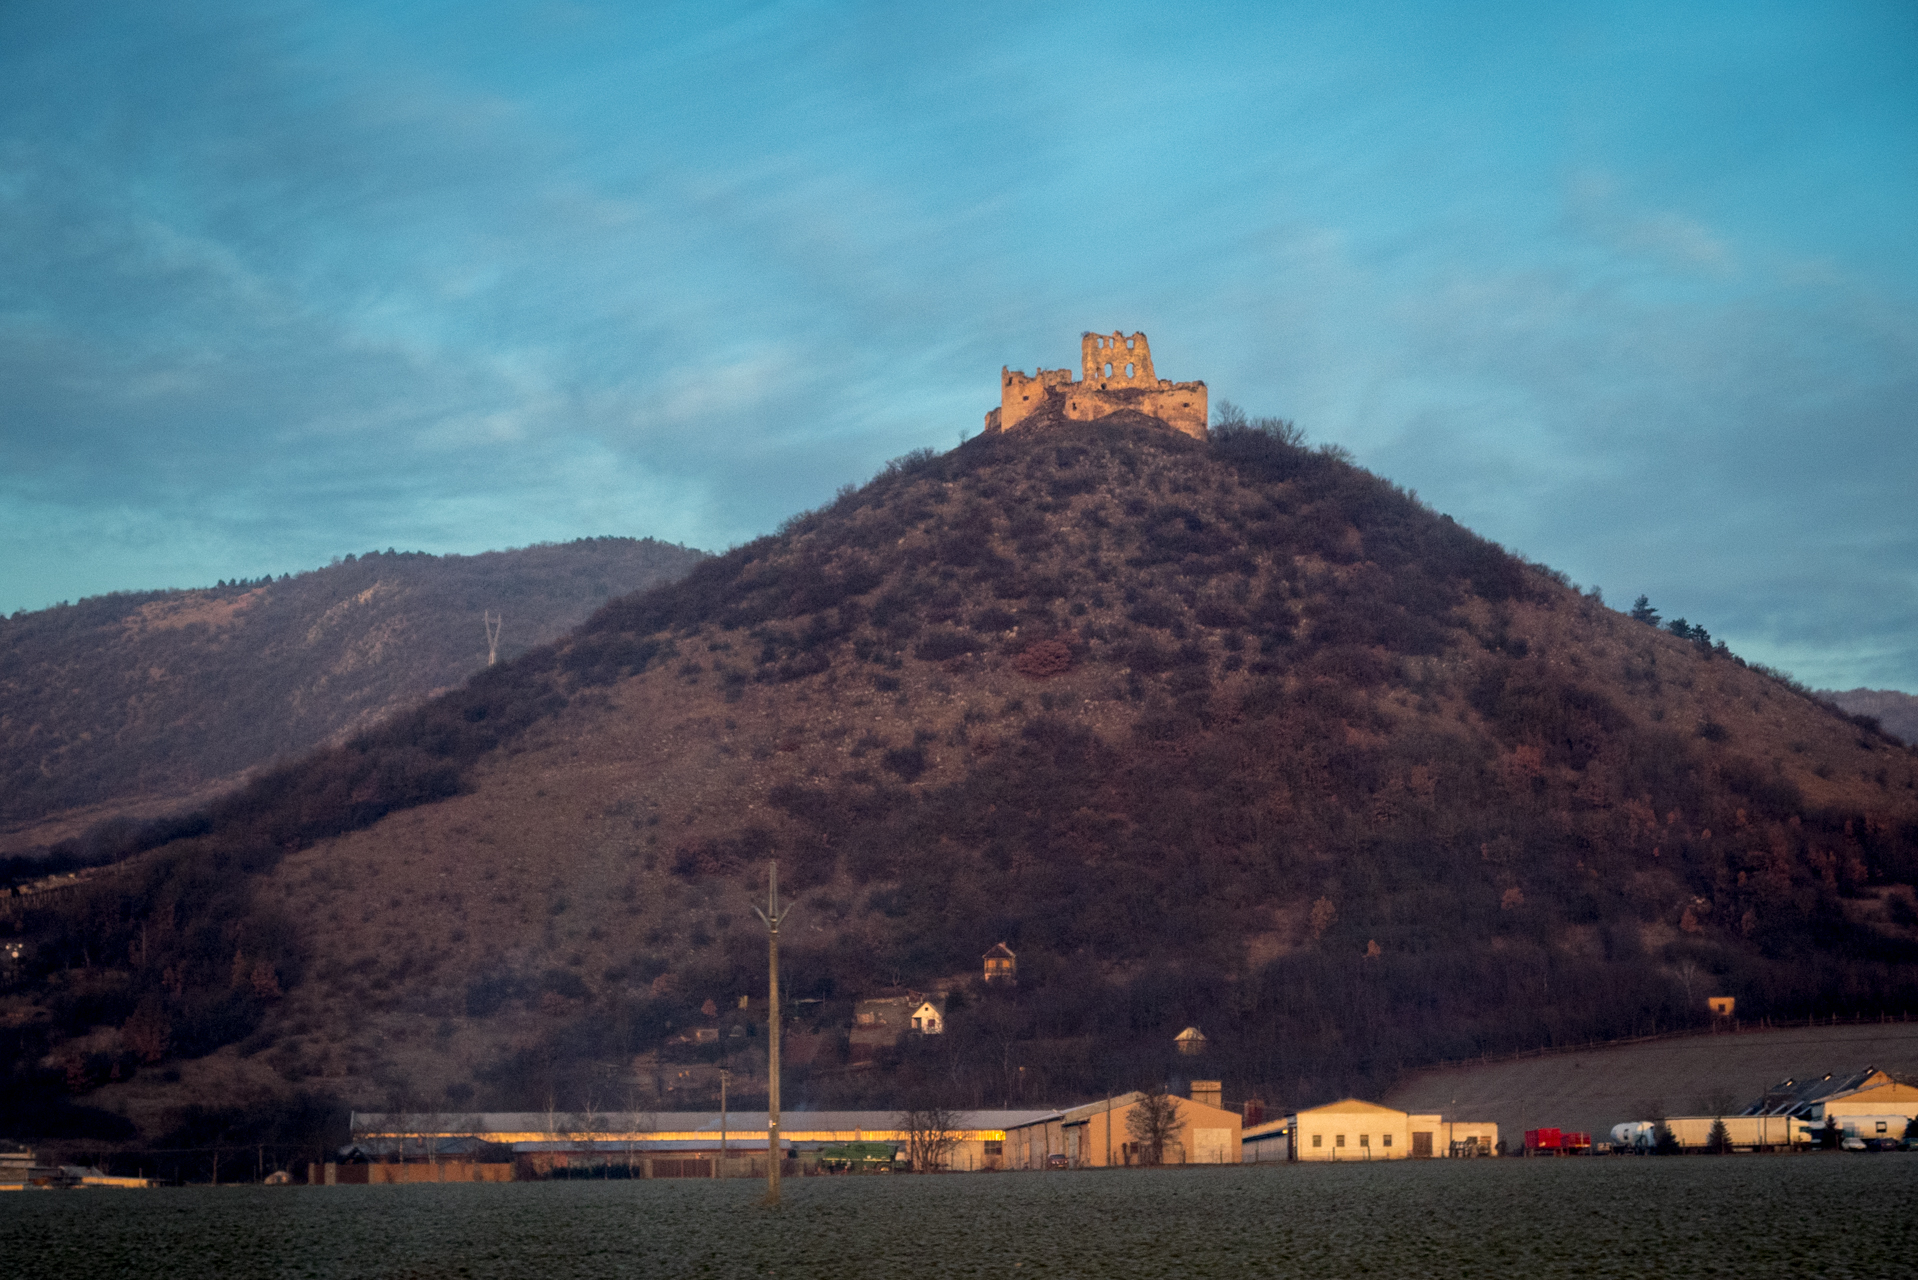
{"points": [[859, 1157]]}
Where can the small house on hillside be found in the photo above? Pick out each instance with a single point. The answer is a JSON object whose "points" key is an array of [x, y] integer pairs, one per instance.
{"points": [[879, 1021], [1002, 965], [1191, 1041]]}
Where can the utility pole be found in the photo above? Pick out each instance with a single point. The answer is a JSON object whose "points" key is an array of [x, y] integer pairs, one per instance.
{"points": [[724, 1076], [772, 915]]}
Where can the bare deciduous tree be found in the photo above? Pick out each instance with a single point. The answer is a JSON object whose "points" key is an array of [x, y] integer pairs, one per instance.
{"points": [[932, 1131], [1154, 1123], [1688, 973]]}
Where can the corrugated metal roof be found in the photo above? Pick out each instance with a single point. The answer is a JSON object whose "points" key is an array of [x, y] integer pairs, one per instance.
{"points": [[1797, 1097], [612, 1122], [1085, 1111]]}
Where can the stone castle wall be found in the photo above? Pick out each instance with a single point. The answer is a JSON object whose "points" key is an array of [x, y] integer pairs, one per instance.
{"points": [[1117, 375], [1116, 361]]}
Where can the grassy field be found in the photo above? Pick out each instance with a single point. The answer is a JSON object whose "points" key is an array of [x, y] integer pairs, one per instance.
{"points": [[1596, 1089], [1826, 1214]]}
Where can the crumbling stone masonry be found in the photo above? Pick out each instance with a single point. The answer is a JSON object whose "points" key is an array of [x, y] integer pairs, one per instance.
{"points": [[1117, 375]]}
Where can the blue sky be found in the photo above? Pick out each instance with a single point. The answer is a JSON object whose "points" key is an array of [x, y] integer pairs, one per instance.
{"points": [[1631, 289]]}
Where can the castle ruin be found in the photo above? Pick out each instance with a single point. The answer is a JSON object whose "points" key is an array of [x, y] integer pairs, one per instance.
{"points": [[1116, 376]]}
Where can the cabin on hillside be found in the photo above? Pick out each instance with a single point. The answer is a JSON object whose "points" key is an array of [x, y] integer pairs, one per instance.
{"points": [[879, 1021], [1002, 965], [929, 1019]]}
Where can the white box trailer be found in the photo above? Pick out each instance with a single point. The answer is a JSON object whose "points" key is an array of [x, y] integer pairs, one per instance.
{"points": [[1695, 1132], [1887, 1127]]}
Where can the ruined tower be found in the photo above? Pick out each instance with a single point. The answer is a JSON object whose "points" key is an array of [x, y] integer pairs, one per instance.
{"points": [[1116, 374], [1116, 361]]}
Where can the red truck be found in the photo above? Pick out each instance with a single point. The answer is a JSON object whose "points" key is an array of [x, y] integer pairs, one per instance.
{"points": [[1557, 1142]]}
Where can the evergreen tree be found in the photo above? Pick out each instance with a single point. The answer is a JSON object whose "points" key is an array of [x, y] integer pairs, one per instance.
{"points": [[1642, 611], [1720, 1140]]}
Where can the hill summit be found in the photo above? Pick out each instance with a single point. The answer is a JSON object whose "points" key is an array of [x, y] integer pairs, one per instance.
{"points": [[1223, 733]]}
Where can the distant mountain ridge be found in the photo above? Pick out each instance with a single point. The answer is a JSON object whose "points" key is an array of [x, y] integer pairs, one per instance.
{"points": [[1896, 711], [142, 700]]}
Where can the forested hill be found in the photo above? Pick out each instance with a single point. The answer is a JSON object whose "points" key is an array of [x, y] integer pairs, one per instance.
{"points": [[1228, 733], [144, 698]]}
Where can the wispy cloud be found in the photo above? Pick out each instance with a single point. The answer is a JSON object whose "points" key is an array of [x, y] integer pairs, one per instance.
{"points": [[288, 280]]}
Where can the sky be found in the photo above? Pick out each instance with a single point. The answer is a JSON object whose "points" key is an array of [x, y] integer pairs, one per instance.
{"points": [[1630, 289]]}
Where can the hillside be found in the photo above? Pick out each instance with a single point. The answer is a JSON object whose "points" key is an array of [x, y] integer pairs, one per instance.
{"points": [[1896, 711], [1591, 1090], [130, 704], [1224, 733]]}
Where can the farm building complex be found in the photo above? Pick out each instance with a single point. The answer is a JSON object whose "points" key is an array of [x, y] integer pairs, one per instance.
{"points": [[1865, 1107]]}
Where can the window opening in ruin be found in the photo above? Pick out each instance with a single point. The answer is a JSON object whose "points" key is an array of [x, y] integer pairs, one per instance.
{"points": [[1128, 371], [1108, 371]]}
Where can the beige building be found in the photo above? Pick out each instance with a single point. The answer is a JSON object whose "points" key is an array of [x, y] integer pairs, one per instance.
{"points": [[1351, 1129], [1096, 1134], [1877, 1107]]}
